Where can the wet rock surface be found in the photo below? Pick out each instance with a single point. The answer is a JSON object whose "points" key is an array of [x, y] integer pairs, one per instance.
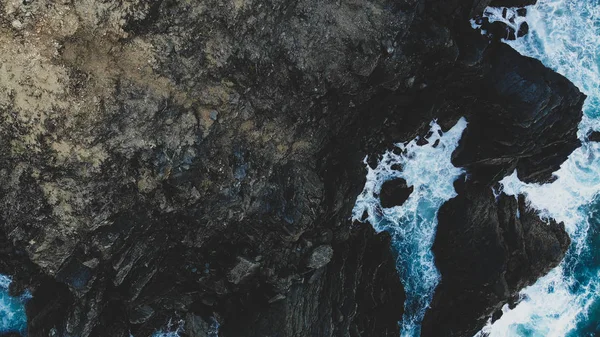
{"points": [[527, 121], [394, 192], [512, 3], [169, 160], [594, 136], [355, 294], [487, 250]]}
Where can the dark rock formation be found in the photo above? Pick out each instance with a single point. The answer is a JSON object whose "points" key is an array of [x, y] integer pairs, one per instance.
{"points": [[173, 160], [594, 136], [527, 120], [394, 192], [355, 295], [523, 29], [487, 250], [512, 3]]}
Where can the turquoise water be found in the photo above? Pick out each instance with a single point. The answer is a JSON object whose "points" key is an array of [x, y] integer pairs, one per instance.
{"points": [[412, 226], [565, 36], [12, 309]]}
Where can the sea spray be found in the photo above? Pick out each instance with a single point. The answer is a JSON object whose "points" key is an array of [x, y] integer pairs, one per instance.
{"points": [[412, 226], [565, 36]]}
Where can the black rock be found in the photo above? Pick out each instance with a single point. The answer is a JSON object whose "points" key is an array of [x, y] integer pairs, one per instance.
{"points": [[394, 192], [528, 120], [523, 29], [141, 314], [512, 3], [594, 136], [486, 252]]}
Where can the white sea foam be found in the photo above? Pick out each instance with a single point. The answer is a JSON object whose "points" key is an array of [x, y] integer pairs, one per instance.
{"points": [[565, 36], [413, 225], [5, 282]]}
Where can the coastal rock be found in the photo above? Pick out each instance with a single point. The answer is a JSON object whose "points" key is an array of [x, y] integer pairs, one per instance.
{"points": [[141, 314], [512, 3], [182, 156], [242, 270], [594, 136], [196, 326], [487, 250], [190, 157], [354, 295], [523, 29], [527, 120], [394, 193]]}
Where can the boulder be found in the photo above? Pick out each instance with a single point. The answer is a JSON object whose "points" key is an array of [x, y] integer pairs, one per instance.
{"points": [[320, 257], [394, 192]]}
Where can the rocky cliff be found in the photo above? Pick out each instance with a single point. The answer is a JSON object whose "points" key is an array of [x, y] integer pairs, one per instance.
{"points": [[198, 161]]}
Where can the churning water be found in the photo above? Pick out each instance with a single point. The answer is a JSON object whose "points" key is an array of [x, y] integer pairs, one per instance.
{"points": [[412, 225], [12, 309], [565, 36]]}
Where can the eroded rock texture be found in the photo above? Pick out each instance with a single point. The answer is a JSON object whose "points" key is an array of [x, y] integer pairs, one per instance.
{"points": [[527, 121], [189, 160], [487, 250]]}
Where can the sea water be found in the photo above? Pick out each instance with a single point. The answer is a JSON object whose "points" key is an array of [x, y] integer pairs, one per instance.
{"points": [[12, 309], [565, 36], [412, 226]]}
